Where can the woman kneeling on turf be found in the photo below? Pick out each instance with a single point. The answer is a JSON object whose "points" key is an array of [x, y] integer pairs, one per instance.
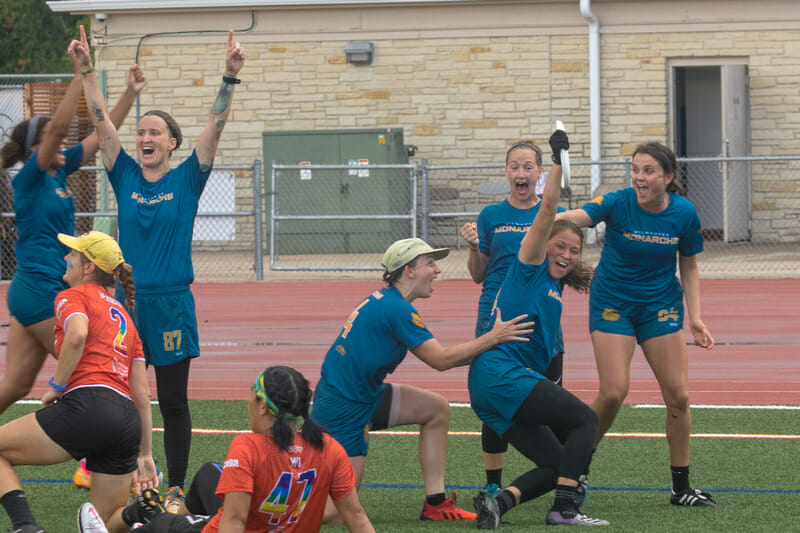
{"points": [[98, 404], [351, 397], [507, 386]]}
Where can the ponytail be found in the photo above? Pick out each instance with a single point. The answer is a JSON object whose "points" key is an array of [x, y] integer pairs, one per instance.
{"points": [[124, 273], [288, 397], [23, 138]]}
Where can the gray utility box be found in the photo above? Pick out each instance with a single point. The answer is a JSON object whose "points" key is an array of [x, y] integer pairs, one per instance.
{"points": [[358, 190]]}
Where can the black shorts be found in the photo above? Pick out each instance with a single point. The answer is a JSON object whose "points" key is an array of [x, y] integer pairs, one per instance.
{"points": [[96, 423], [175, 523]]}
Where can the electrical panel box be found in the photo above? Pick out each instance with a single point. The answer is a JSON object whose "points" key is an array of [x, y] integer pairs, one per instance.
{"points": [[358, 190]]}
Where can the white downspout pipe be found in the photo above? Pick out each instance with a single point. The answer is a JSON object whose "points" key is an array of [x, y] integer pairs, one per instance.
{"points": [[594, 91]]}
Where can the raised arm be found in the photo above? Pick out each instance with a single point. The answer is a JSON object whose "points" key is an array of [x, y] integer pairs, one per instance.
{"points": [[438, 357], [533, 249], [57, 128], [104, 128], [206, 147], [136, 82]]}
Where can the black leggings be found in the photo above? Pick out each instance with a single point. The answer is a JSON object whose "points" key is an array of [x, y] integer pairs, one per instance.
{"points": [[549, 406], [172, 383], [201, 497], [494, 443]]}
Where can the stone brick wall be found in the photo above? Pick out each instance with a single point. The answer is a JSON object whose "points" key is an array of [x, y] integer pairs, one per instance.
{"points": [[464, 99]]}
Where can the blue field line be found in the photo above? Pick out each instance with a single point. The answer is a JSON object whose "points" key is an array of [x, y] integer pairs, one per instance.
{"points": [[474, 487], [591, 488]]}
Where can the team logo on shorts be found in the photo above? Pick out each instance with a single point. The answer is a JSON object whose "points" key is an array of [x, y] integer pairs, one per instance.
{"points": [[417, 320], [610, 315]]}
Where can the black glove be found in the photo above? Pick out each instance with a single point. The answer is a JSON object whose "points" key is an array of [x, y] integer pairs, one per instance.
{"points": [[558, 141]]}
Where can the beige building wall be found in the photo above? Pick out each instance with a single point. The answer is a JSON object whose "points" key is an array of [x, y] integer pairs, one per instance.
{"points": [[466, 79]]}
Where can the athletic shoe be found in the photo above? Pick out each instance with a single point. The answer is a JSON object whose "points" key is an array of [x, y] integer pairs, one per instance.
{"points": [[89, 520], [572, 518], [446, 510], [145, 506], [30, 528], [174, 499], [82, 478], [493, 489], [582, 491], [487, 510], [692, 498]]}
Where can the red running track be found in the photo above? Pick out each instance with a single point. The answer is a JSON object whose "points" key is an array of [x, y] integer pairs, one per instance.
{"points": [[245, 327]]}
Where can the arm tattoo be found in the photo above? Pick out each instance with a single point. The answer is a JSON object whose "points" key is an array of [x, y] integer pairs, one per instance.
{"points": [[223, 99], [98, 113]]}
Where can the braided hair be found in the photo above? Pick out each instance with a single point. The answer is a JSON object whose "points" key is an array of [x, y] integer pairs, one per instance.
{"points": [[287, 394], [123, 273]]}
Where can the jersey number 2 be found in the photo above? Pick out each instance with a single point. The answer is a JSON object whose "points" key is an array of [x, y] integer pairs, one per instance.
{"points": [[119, 340], [276, 503]]}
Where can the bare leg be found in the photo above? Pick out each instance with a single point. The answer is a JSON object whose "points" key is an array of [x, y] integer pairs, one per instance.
{"points": [[109, 496], [432, 413], [613, 354], [25, 354], [24, 442], [669, 360]]}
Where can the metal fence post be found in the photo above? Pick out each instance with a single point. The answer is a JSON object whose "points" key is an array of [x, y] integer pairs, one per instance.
{"points": [[425, 197], [272, 228], [258, 213], [628, 172]]}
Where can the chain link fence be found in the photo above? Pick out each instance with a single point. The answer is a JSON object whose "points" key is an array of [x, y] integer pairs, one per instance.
{"points": [[341, 218], [749, 209]]}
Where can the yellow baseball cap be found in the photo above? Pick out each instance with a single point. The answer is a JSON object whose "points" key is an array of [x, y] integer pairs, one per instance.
{"points": [[101, 249], [402, 252]]}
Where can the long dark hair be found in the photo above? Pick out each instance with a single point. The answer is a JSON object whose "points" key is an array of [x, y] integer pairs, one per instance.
{"points": [[666, 158], [290, 393], [580, 277], [18, 147]]}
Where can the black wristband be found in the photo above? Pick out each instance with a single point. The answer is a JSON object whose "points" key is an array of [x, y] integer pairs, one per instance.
{"points": [[231, 80]]}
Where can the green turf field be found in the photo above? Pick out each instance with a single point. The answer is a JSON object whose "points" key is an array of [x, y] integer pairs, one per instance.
{"points": [[754, 480]]}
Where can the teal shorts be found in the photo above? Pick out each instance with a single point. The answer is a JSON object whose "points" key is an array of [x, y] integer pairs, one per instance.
{"points": [[347, 421], [31, 296], [497, 387], [609, 314], [167, 325]]}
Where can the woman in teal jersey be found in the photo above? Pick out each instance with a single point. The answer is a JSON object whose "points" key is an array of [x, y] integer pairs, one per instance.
{"points": [[44, 208], [508, 389], [351, 397], [636, 298], [493, 245], [157, 207]]}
